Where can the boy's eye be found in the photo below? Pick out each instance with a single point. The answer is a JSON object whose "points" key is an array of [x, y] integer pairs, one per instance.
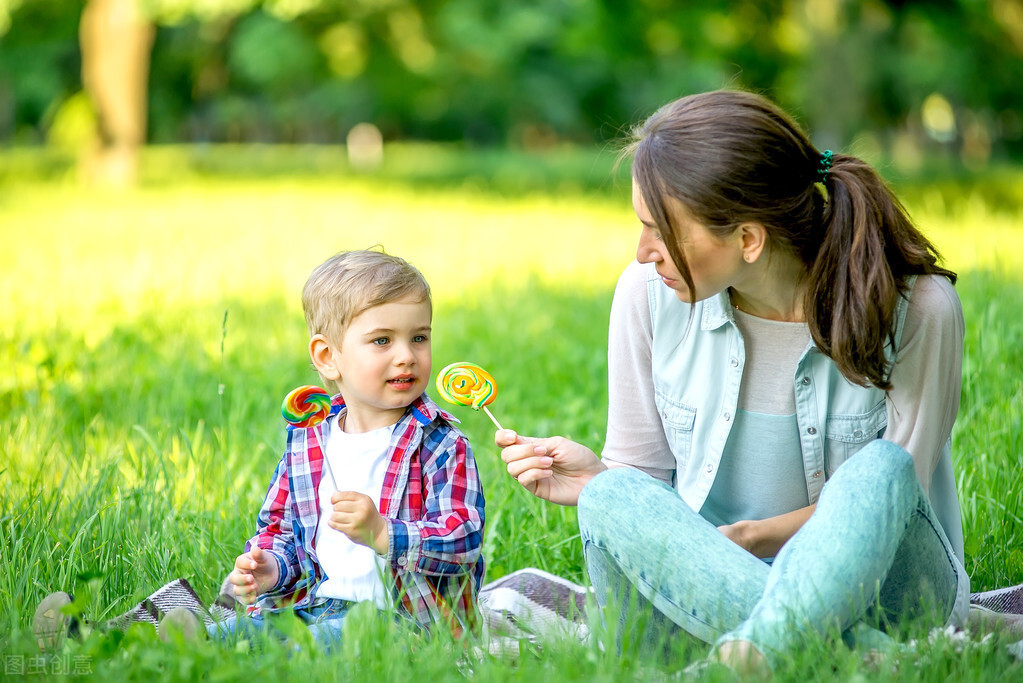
{"points": [[419, 338], [381, 341]]}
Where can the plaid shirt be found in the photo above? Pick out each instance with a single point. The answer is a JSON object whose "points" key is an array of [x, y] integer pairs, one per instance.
{"points": [[431, 500]]}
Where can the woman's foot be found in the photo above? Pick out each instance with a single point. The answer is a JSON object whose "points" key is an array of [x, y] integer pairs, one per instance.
{"points": [[983, 621], [743, 658]]}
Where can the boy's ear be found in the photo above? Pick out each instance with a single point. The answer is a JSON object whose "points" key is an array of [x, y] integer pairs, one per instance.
{"points": [[322, 354]]}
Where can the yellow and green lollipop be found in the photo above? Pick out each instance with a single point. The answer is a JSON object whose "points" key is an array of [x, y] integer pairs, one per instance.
{"points": [[467, 384]]}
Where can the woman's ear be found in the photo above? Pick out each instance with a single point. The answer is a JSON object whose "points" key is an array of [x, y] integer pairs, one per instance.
{"points": [[753, 241], [322, 354]]}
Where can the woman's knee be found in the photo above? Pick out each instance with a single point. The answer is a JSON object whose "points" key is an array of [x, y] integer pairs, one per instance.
{"points": [[882, 474], [884, 459], [609, 493]]}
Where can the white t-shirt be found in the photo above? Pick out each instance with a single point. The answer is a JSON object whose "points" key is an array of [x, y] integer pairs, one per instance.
{"points": [[353, 462]]}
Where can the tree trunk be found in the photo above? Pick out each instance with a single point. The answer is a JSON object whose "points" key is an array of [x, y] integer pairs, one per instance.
{"points": [[116, 40]]}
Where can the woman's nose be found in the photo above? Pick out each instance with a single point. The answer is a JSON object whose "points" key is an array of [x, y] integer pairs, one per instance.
{"points": [[647, 251]]}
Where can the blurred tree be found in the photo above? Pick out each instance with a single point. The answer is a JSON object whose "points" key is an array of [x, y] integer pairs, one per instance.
{"points": [[116, 37], [524, 72]]}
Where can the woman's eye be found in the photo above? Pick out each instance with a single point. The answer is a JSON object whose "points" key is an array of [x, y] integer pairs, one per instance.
{"points": [[654, 232]]}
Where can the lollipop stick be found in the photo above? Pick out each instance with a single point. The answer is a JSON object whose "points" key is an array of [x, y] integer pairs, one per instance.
{"points": [[330, 472], [492, 418]]}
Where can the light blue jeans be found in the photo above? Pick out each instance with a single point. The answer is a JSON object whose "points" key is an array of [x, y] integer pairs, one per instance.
{"points": [[871, 555], [324, 621]]}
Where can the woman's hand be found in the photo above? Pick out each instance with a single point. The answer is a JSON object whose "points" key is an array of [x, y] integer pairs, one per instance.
{"points": [[743, 534], [765, 537], [554, 468]]}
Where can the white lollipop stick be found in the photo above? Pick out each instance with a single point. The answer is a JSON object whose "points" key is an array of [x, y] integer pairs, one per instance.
{"points": [[492, 418]]}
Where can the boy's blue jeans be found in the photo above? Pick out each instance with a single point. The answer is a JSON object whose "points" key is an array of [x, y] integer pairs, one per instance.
{"points": [[871, 555], [324, 621]]}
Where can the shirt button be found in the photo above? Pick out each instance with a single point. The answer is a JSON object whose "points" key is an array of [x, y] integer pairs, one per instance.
{"points": [[727, 416], [817, 474], [811, 430], [735, 362], [402, 560], [709, 468], [806, 380], [858, 433]]}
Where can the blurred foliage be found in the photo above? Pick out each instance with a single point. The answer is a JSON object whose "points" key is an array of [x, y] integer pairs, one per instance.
{"points": [[910, 81]]}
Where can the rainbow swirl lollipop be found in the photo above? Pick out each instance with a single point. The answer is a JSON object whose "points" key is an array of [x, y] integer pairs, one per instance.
{"points": [[306, 406], [467, 384]]}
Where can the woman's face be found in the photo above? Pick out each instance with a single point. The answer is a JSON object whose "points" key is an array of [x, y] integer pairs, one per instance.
{"points": [[713, 262]]}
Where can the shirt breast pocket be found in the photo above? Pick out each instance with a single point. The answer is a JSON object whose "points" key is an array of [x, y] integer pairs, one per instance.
{"points": [[846, 434], [678, 420]]}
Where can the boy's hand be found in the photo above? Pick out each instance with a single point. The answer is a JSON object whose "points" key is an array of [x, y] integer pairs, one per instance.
{"points": [[355, 515], [253, 574]]}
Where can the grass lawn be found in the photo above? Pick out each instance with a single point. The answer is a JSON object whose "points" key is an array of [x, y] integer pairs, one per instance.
{"points": [[148, 337]]}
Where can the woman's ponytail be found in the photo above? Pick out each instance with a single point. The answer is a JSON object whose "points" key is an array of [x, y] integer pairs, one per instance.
{"points": [[868, 251], [731, 158]]}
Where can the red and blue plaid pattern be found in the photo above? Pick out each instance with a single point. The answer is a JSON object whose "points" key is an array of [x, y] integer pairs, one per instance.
{"points": [[431, 498]]}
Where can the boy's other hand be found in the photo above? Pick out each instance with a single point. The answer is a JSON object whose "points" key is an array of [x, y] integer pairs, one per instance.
{"points": [[356, 516], [253, 574]]}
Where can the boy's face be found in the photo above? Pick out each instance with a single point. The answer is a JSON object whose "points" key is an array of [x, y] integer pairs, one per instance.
{"points": [[383, 363]]}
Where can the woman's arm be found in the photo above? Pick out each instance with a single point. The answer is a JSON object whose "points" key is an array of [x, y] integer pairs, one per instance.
{"points": [[557, 469], [927, 375], [635, 435], [765, 537]]}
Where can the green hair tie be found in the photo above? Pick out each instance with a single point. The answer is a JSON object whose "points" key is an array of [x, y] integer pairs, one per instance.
{"points": [[825, 166]]}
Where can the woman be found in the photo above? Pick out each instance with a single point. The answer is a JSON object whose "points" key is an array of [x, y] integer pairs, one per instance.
{"points": [[785, 325]]}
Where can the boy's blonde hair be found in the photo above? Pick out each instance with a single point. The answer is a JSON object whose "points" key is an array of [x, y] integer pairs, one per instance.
{"points": [[350, 282]]}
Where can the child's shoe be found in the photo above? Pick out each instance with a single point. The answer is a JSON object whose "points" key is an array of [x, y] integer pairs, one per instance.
{"points": [[50, 624], [182, 622]]}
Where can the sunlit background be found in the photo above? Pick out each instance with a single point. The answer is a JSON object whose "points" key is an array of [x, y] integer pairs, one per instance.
{"points": [[902, 82], [262, 125]]}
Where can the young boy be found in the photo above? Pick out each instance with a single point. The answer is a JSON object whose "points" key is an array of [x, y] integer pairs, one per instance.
{"points": [[382, 500]]}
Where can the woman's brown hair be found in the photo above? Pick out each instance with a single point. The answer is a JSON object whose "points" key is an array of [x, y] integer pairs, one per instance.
{"points": [[734, 157]]}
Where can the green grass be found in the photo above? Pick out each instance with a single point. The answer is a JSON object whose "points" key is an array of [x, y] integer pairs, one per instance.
{"points": [[147, 337]]}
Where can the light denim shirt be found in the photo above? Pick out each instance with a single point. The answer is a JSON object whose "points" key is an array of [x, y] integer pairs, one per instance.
{"points": [[697, 366]]}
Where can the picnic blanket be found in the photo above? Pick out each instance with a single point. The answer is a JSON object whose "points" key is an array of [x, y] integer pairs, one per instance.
{"points": [[526, 605], [530, 604], [177, 593]]}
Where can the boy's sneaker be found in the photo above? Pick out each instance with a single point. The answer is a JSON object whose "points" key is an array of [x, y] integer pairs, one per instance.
{"points": [[50, 624], [182, 622]]}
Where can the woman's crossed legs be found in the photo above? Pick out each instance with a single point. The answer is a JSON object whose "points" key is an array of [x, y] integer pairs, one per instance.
{"points": [[872, 551]]}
